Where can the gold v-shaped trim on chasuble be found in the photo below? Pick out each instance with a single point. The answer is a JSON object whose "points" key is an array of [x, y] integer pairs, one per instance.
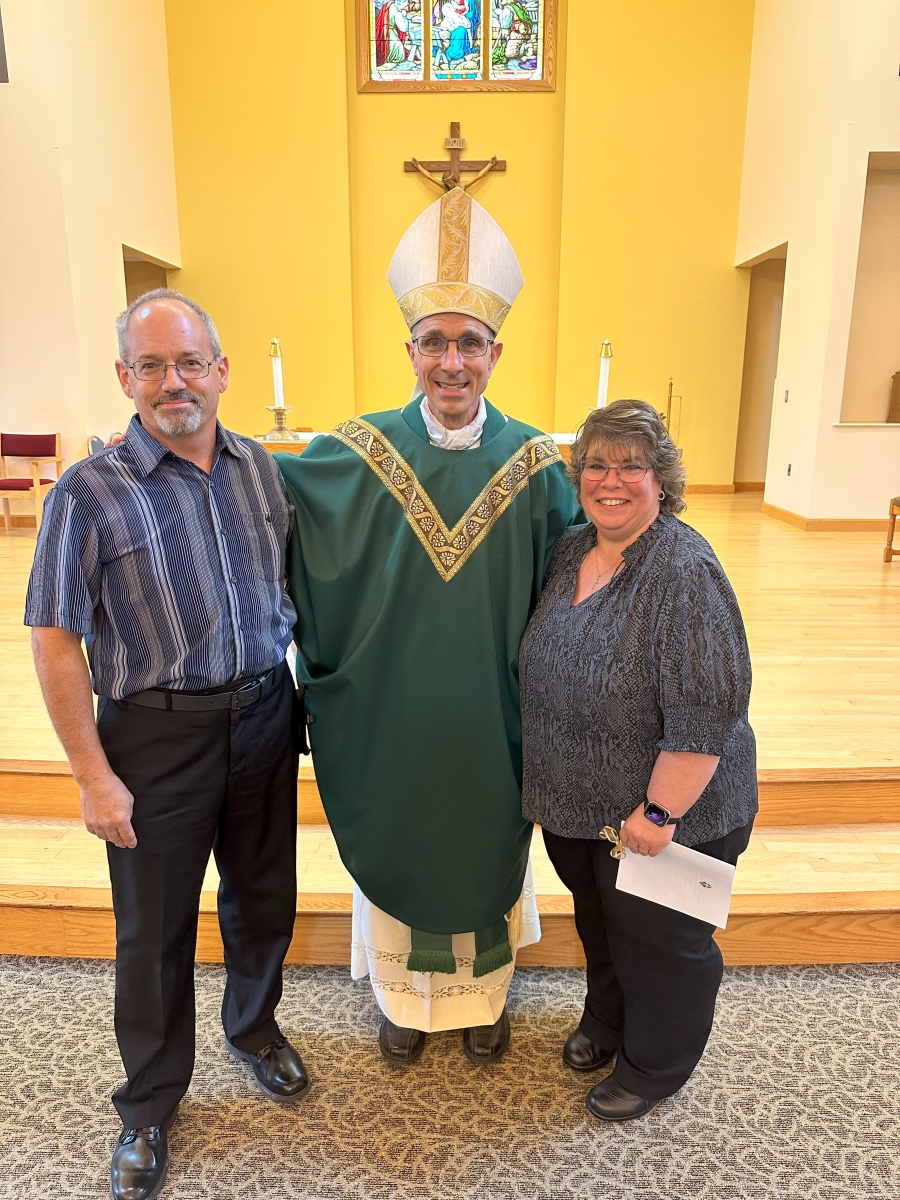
{"points": [[447, 548]]}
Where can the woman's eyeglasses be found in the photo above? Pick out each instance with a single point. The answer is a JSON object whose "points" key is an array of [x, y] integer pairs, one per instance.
{"points": [[626, 472]]}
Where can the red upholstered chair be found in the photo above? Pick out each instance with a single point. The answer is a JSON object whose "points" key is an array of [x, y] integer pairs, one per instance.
{"points": [[39, 448]]}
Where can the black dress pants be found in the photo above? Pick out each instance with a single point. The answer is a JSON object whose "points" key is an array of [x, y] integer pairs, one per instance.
{"points": [[652, 973], [216, 781]]}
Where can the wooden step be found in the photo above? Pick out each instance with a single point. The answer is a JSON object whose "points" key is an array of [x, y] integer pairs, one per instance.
{"points": [[816, 928], [46, 789], [802, 895], [807, 796]]}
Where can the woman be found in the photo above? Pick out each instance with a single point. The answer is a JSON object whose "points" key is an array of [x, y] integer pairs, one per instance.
{"points": [[635, 686]]}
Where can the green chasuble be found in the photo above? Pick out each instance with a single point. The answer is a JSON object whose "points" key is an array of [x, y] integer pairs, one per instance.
{"points": [[414, 570]]}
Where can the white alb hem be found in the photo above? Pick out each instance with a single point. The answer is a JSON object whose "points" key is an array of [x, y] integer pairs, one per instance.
{"points": [[431, 1001]]}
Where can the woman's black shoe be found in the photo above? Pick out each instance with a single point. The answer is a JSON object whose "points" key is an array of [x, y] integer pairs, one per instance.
{"points": [[278, 1070], [485, 1043], [139, 1163], [581, 1054], [400, 1045], [609, 1101]]}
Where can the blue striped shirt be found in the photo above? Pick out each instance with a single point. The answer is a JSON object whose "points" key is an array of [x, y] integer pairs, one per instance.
{"points": [[175, 578]]}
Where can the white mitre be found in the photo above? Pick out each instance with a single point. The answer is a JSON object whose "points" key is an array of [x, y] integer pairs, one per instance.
{"points": [[455, 258]]}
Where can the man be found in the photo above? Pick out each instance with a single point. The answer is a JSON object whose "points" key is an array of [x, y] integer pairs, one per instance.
{"points": [[420, 544], [166, 554]]}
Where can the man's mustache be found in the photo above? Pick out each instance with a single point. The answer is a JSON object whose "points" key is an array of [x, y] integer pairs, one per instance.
{"points": [[168, 397]]}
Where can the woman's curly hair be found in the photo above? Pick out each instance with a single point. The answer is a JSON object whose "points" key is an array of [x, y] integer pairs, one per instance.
{"points": [[636, 424]]}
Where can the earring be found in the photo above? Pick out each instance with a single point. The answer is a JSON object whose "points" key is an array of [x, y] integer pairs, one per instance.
{"points": [[662, 495]]}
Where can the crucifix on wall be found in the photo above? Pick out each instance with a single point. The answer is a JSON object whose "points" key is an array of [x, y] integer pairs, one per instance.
{"points": [[450, 173]]}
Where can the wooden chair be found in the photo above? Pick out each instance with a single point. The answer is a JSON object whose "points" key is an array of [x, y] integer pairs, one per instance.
{"points": [[39, 448], [893, 514]]}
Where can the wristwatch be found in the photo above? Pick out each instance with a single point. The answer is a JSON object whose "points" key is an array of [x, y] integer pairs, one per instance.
{"points": [[658, 815]]}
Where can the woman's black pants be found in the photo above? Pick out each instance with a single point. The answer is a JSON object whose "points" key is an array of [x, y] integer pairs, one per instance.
{"points": [[218, 781], [652, 973]]}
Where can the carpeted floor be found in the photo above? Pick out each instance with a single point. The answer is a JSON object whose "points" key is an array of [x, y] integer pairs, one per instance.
{"points": [[796, 1098]]}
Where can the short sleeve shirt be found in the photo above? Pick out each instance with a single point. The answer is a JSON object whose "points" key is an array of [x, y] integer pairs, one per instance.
{"points": [[175, 578], [655, 660]]}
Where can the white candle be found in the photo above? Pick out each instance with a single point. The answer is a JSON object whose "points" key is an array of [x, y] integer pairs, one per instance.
{"points": [[277, 377], [603, 386]]}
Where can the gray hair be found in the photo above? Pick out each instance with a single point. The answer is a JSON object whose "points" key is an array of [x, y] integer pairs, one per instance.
{"points": [[123, 320], [633, 423]]}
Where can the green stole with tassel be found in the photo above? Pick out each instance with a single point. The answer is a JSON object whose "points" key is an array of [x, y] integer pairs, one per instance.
{"points": [[414, 571]]}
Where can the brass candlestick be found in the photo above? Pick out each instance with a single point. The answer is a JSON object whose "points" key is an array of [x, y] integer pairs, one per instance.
{"points": [[280, 431]]}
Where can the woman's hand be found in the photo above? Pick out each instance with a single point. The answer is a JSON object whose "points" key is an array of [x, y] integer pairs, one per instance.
{"points": [[643, 837]]}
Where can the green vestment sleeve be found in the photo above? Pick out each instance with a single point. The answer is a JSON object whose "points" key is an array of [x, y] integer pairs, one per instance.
{"points": [[414, 571]]}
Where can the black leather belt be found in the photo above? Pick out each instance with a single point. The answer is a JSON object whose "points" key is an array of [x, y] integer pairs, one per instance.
{"points": [[241, 697]]}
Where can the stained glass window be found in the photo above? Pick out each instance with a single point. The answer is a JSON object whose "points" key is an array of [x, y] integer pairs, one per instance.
{"points": [[395, 40], [452, 45], [456, 38], [517, 39]]}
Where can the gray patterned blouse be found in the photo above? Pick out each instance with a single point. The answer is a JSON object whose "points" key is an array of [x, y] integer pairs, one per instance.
{"points": [[655, 660]]}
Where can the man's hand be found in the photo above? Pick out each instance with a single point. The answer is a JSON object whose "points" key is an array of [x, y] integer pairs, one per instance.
{"points": [[643, 837], [114, 439], [106, 803], [106, 808]]}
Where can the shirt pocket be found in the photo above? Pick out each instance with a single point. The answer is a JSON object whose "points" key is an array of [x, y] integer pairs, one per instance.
{"points": [[267, 537]]}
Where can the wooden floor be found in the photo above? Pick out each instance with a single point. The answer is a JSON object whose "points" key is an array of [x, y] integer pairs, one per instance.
{"points": [[799, 860], [823, 618]]}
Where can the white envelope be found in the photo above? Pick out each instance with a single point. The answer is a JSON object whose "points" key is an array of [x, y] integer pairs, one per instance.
{"points": [[680, 878]]}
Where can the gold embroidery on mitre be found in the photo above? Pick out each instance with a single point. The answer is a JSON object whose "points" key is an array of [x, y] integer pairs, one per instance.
{"points": [[469, 298], [447, 548], [453, 237]]}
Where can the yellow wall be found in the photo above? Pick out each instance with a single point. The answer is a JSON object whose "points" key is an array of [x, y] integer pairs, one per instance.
{"points": [[621, 199], [87, 166], [653, 150], [526, 130], [261, 160]]}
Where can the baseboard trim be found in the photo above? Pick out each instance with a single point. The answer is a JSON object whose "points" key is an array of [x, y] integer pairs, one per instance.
{"points": [[710, 489], [744, 486], [825, 524]]}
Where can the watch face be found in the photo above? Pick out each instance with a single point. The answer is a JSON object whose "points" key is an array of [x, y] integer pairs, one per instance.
{"points": [[657, 815]]}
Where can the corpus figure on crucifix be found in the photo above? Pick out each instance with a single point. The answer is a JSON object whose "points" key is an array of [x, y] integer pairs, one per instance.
{"points": [[420, 544]]}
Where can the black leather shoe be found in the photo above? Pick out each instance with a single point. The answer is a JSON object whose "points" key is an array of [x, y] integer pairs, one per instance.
{"points": [[400, 1045], [278, 1070], [611, 1102], [140, 1162], [581, 1054], [486, 1043]]}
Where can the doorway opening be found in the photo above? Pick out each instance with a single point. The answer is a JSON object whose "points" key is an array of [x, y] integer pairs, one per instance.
{"points": [[872, 376], [760, 367], [143, 273]]}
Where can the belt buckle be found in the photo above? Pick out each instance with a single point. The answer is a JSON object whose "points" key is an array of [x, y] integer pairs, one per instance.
{"points": [[242, 693]]}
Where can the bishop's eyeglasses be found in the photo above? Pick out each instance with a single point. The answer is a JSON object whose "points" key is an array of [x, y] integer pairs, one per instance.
{"points": [[187, 368], [470, 345]]}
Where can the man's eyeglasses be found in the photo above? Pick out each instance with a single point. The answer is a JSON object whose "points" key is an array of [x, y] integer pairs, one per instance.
{"points": [[470, 345], [627, 472], [187, 368]]}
